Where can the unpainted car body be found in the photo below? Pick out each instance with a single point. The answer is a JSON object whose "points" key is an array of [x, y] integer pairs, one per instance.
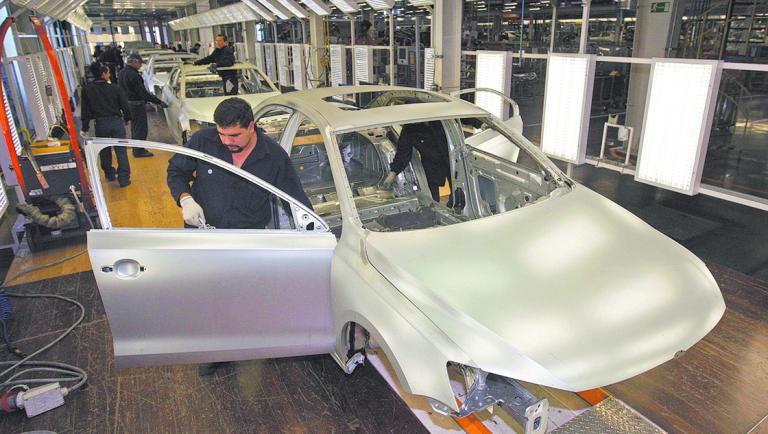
{"points": [[534, 277], [193, 93], [157, 69]]}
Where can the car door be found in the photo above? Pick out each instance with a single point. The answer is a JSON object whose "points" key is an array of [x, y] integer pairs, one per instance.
{"points": [[175, 295], [171, 94]]}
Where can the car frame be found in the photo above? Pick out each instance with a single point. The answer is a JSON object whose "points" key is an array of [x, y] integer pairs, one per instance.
{"points": [[155, 81], [536, 293], [186, 115]]}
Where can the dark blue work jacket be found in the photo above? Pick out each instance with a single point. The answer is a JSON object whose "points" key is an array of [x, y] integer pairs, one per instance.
{"points": [[228, 200]]}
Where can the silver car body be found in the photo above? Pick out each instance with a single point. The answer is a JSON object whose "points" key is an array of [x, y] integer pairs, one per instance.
{"points": [[157, 70], [185, 114], [570, 291]]}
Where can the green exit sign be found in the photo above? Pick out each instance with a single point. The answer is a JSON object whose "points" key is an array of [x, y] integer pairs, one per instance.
{"points": [[659, 7]]}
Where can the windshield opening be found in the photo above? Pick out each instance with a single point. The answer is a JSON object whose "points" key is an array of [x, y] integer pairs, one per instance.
{"points": [[203, 84], [422, 175]]}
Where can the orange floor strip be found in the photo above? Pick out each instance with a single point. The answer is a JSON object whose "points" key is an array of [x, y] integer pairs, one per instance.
{"points": [[594, 396], [471, 424]]}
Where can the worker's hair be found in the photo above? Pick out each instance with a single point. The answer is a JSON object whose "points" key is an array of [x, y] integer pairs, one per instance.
{"points": [[233, 111], [98, 68], [222, 36]]}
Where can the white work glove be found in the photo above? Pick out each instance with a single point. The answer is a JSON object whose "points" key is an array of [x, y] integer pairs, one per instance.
{"points": [[192, 212], [387, 183]]}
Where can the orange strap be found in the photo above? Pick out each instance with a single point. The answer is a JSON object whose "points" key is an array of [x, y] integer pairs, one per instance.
{"points": [[594, 396], [471, 424]]}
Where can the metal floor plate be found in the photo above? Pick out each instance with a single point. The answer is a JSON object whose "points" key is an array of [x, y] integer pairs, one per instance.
{"points": [[609, 417]]}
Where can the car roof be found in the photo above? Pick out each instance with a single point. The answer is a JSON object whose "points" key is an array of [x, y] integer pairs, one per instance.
{"points": [[340, 119], [187, 68]]}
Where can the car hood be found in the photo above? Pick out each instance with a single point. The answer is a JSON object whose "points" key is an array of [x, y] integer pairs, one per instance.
{"points": [[202, 109], [573, 292]]}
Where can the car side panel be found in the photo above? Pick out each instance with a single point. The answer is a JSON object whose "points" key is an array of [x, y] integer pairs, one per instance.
{"points": [[418, 351]]}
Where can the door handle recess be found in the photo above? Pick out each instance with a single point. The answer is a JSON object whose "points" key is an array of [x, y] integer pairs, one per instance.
{"points": [[125, 269]]}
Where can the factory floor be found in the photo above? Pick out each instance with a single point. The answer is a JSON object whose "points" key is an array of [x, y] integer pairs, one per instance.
{"points": [[717, 386]]}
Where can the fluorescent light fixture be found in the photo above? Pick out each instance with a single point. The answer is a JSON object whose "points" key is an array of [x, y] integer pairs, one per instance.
{"points": [[421, 2], [234, 13], [276, 8], [493, 72], [678, 117], [283, 73], [567, 104], [260, 62], [338, 65], [269, 60], [318, 6], [299, 72], [363, 64], [269, 16], [429, 68], [295, 8], [381, 4], [346, 6]]}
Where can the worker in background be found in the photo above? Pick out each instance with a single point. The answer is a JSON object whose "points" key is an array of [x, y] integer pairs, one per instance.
{"points": [[365, 37], [133, 85], [107, 104], [113, 60], [429, 139], [209, 195], [223, 56], [195, 49]]}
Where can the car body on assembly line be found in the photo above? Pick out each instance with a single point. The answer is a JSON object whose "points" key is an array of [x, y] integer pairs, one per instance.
{"points": [[193, 93], [523, 274], [157, 69]]}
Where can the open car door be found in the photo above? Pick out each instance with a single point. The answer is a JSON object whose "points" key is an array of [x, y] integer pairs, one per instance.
{"points": [[175, 295]]}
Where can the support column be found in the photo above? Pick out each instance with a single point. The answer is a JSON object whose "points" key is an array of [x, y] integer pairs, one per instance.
{"points": [[656, 34], [446, 40], [249, 39], [584, 35], [318, 46]]}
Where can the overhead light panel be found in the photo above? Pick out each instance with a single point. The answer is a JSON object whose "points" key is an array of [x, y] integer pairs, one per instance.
{"points": [[276, 8], [318, 6], [346, 6], [381, 4], [421, 2], [259, 9], [493, 72], [295, 8], [678, 118], [567, 104], [234, 13]]}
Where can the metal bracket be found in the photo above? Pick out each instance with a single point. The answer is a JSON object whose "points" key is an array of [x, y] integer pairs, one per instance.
{"points": [[529, 411], [357, 359]]}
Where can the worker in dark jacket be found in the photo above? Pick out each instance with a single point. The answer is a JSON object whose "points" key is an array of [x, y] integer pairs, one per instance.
{"points": [[133, 85], [107, 104], [222, 199], [429, 139], [113, 60], [223, 56]]}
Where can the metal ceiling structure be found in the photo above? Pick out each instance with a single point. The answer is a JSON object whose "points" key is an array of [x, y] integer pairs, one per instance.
{"points": [[233, 13], [58, 9]]}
